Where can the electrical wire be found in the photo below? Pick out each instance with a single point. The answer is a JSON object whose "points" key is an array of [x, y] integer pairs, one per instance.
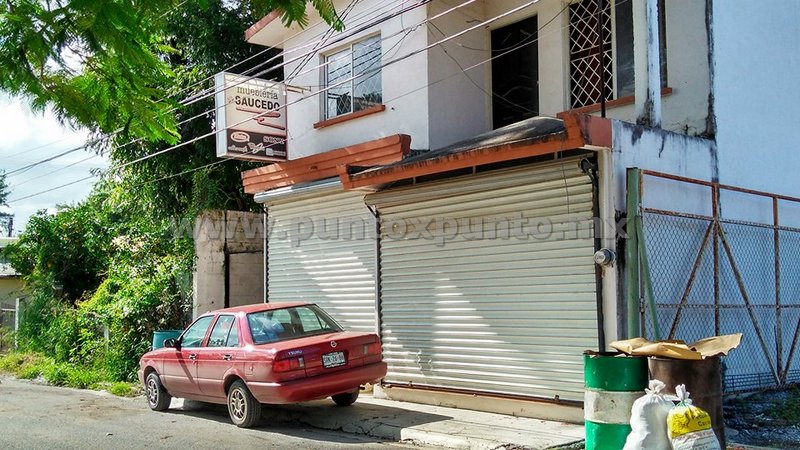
{"points": [[193, 98], [366, 73], [510, 49], [53, 171], [228, 86]]}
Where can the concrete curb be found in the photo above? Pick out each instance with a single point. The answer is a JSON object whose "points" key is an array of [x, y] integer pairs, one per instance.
{"points": [[429, 425]]}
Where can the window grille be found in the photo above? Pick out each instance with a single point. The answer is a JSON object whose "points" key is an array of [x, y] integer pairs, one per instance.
{"points": [[354, 78], [585, 66]]}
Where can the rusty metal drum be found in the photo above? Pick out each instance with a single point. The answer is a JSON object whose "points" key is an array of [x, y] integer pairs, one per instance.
{"points": [[703, 380]]}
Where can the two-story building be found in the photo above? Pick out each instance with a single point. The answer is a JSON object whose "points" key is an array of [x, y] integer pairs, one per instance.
{"points": [[455, 165]]}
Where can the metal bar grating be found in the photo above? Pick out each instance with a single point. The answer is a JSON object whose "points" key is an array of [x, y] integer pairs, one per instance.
{"points": [[584, 57]]}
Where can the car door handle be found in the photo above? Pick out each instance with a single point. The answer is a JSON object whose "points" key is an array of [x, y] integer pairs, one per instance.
{"points": [[193, 356], [227, 357]]}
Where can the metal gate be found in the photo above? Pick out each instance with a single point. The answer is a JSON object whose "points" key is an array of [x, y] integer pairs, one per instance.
{"points": [[488, 282], [321, 249], [726, 260]]}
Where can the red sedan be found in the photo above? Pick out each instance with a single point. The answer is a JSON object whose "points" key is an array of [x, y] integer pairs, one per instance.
{"points": [[269, 353]]}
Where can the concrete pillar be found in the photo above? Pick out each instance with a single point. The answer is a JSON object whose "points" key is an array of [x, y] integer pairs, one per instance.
{"points": [[647, 62]]}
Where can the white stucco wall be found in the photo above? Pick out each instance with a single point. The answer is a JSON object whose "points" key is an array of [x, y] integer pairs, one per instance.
{"points": [[757, 95], [656, 150], [685, 110], [662, 151], [428, 97], [404, 92], [458, 101]]}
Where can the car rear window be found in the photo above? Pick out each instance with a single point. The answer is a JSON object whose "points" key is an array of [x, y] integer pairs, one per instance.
{"points": [[289, 323]]}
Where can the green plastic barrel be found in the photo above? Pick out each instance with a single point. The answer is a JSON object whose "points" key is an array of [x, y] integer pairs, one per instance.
{"points": [[162, 335], [613, 383]]}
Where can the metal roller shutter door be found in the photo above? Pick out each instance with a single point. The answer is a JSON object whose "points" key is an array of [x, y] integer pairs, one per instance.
{"points": [[507, 316], [335, 272]]}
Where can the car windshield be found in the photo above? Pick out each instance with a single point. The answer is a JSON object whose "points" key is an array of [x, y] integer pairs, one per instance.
{"points": [[289, 323]]}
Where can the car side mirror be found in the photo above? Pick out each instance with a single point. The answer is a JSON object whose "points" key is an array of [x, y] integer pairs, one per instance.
{"points": [[173, 343]]}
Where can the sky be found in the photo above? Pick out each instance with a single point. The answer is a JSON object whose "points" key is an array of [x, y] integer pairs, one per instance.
{"points": [[27, 137]]}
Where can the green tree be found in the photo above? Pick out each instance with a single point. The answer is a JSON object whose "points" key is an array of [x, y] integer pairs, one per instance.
{"points": [[100, 63], [113, 261]]}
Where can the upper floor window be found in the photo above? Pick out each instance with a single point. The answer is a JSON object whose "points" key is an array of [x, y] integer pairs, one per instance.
{"points": [[617, 71], [353, 76]]}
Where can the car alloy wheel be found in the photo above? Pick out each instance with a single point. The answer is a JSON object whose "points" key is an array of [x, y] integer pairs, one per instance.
{"points": [[237, 405], [243, 408], [158, 399]]}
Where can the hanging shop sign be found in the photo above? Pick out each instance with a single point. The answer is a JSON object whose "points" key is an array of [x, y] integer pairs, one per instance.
{"points": [[251, 118]]}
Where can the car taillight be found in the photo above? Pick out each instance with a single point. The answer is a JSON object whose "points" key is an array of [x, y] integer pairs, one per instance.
{"points": [[372, 349], [286, 365]]}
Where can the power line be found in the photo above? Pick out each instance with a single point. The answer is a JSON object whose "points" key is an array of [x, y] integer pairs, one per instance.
{"points": [[214, 92], [189, 99], [52, 172], [366, 73], [32, 165], [463, 71]]}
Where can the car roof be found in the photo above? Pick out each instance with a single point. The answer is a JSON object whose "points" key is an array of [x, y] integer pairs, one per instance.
{"points": [[257, 307]]}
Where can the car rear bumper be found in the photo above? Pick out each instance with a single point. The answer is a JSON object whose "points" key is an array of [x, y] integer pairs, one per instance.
{"points": [[317, 387]]}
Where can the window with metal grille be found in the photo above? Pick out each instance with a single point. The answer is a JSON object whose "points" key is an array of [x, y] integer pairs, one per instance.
{"points": [[353, 76], [618, 65], [586, 70]]}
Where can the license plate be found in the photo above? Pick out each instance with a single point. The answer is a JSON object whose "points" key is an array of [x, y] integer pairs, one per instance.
{"points": [[333, 359]]}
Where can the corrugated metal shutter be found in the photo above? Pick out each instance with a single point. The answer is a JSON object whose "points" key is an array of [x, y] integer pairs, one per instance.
{"points": [[334, 269], [504, 315]]}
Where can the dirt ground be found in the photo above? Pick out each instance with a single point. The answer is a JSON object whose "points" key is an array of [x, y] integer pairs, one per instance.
{"points": [[766, 419]]}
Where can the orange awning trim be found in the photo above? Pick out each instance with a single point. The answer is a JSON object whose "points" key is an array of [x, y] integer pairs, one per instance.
{"points": [[324, 165], [579, 131]]}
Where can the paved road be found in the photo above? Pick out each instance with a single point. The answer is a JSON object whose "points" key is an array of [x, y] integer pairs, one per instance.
{"points": [[33, 416]]}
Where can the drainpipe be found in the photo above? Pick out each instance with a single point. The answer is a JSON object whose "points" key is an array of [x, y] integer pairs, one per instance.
{"points": [[377, 222], [264, 251]]}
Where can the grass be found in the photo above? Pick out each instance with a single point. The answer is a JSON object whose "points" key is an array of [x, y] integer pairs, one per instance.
{"points": [[788, 409], [30, 366]]}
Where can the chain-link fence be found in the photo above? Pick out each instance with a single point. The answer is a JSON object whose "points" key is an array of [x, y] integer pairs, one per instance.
{"points": [[713, 275]]}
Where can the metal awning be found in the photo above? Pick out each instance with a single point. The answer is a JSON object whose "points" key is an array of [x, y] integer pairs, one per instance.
{"points": [[531, 137]]}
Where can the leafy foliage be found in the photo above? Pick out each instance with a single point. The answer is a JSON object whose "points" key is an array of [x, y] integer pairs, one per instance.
{"points": [[95, 62], [104, 273], [102, 276], [105, 64], [292, 11]]}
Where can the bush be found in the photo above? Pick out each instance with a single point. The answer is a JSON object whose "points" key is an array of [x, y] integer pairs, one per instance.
{"points": [[11, 362], [123, 389], [29, 366], [56, 373], [23, 365]]}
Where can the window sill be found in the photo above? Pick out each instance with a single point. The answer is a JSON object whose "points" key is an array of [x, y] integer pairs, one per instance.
{"points": [[622, 101], [350, 116]]}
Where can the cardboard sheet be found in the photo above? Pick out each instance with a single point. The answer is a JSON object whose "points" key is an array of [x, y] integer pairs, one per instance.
{"points": [[704, 348]]}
